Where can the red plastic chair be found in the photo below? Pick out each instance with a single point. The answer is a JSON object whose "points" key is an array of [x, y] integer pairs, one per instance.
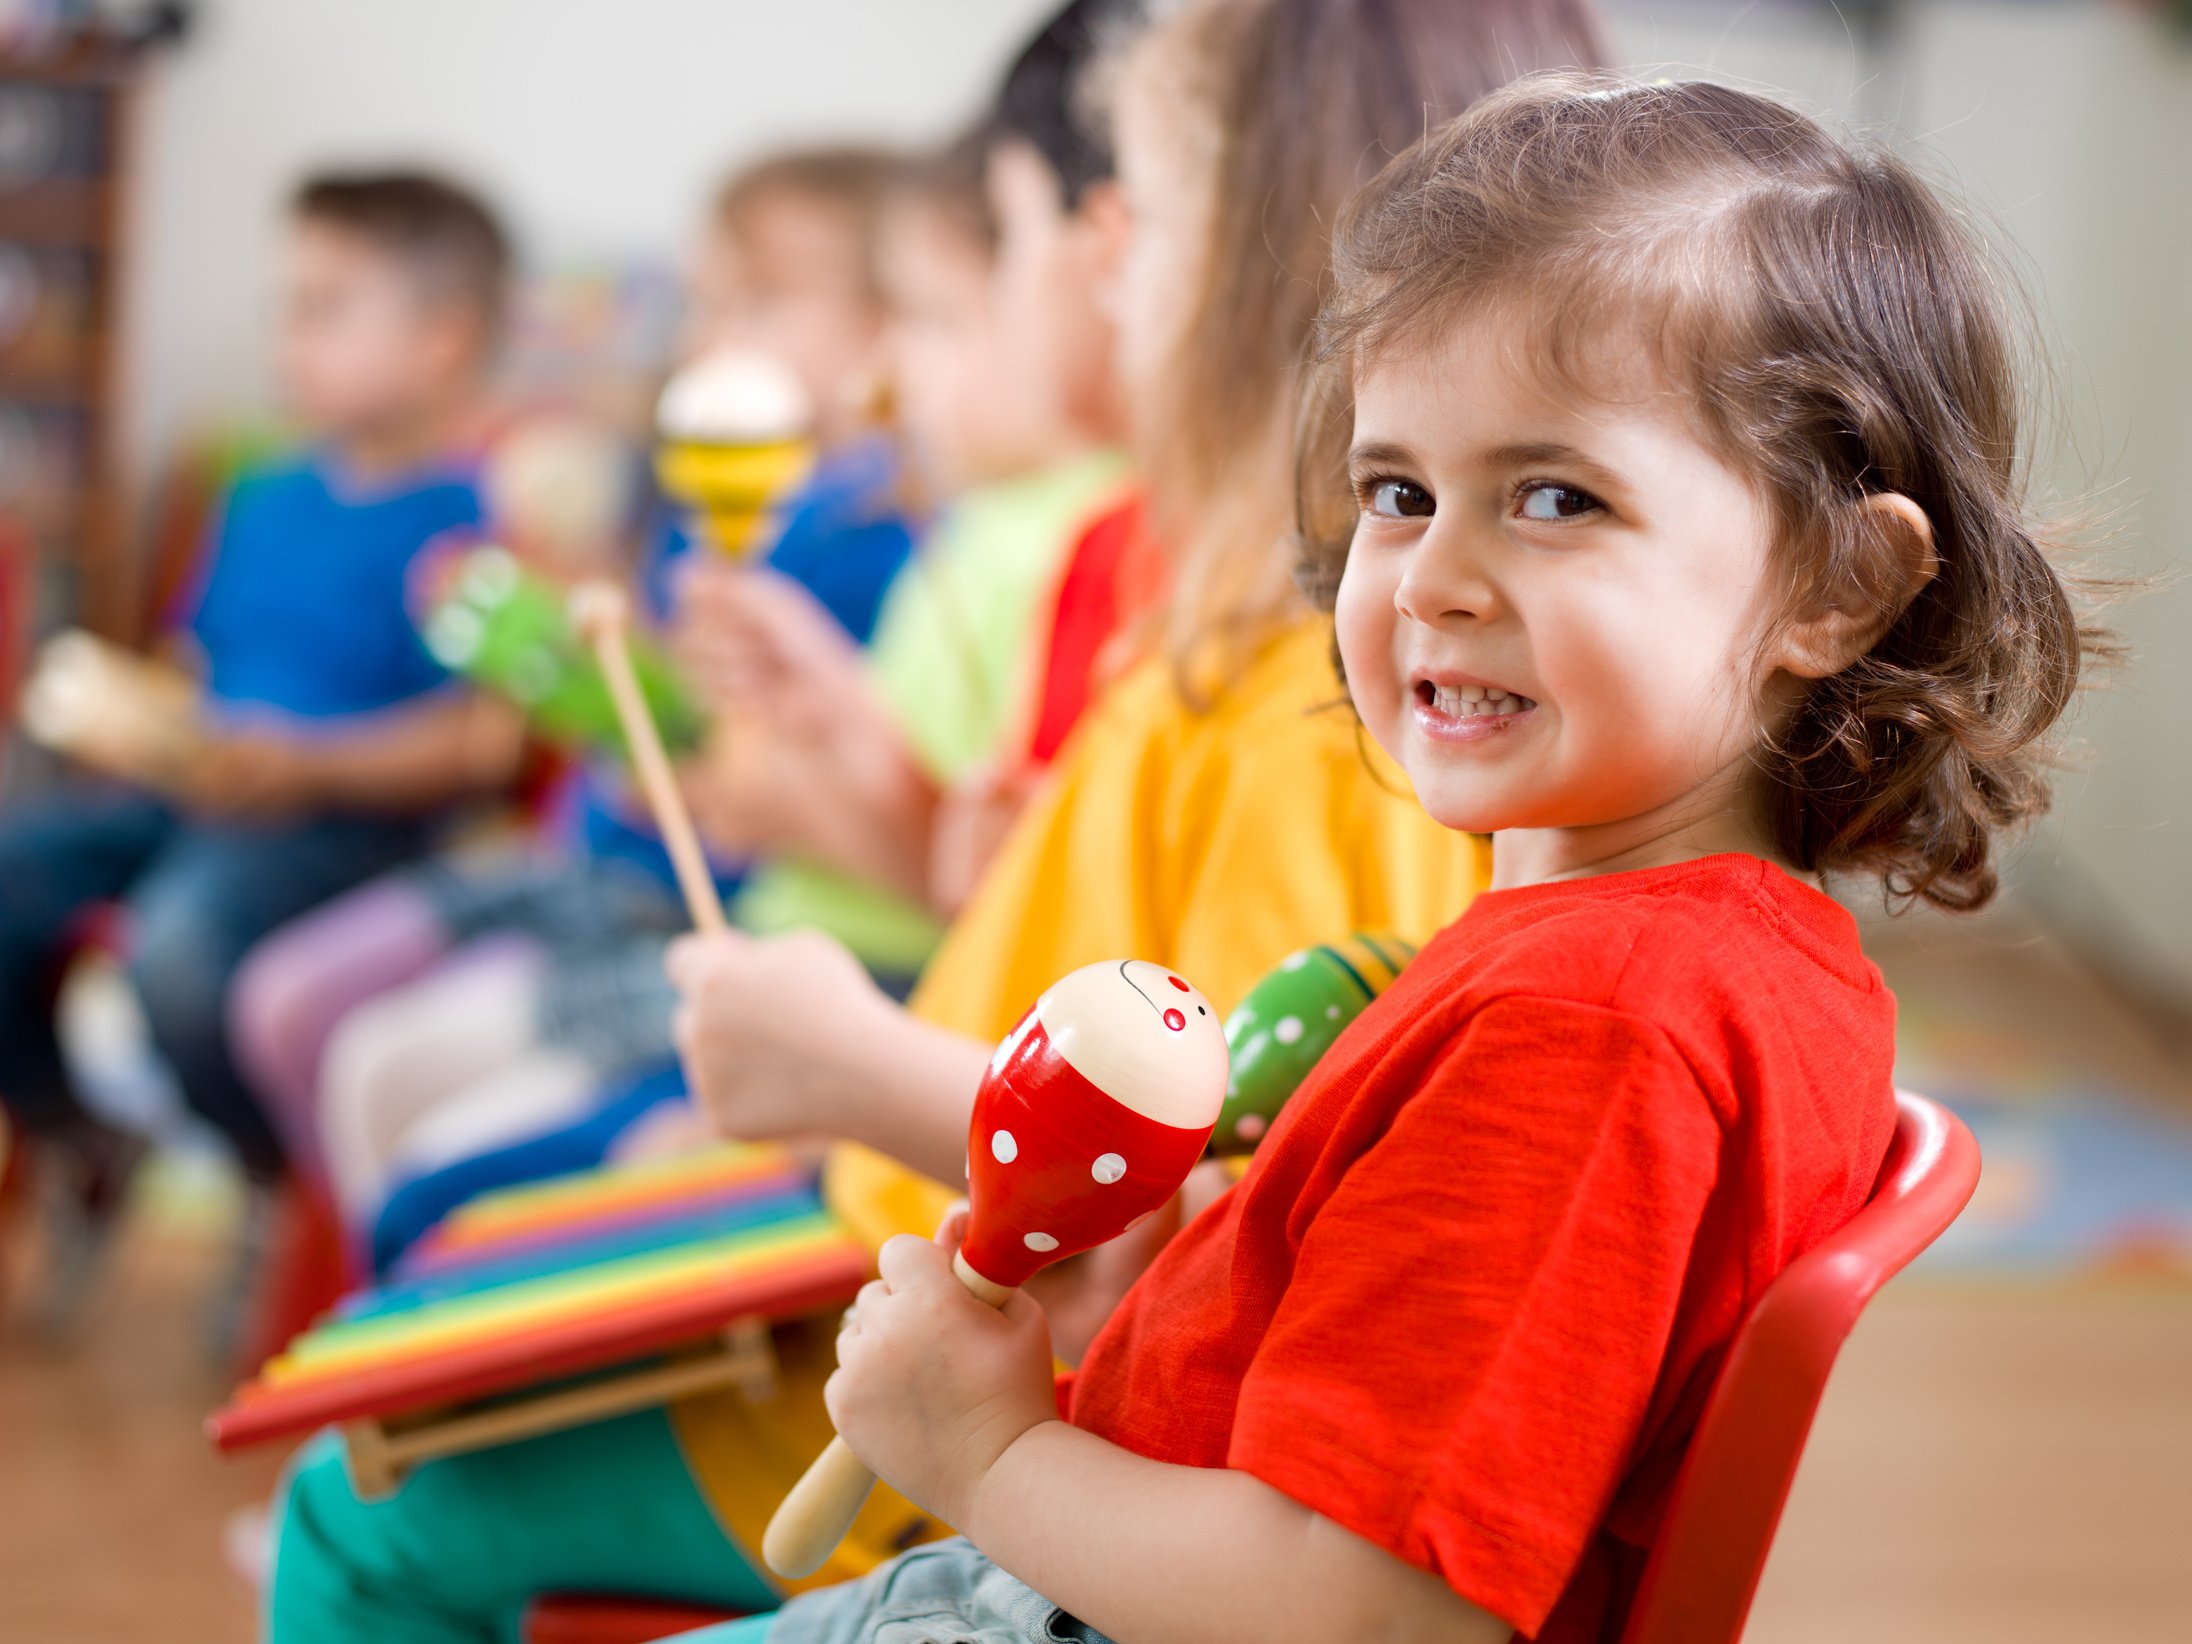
{"points": [[1712, 1544], [1704, 1567], [566, 1618]]}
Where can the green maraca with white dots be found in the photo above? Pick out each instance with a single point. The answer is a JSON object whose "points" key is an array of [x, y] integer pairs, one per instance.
{"points": [[1289, 1020]]}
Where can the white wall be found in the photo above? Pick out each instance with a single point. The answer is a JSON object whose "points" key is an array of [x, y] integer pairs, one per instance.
{"points": [[598, 125], [2098, 194], [2068, 129]]}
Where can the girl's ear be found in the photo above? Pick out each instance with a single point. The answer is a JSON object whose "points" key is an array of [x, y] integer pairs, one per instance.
{"points": [[1102, 213], [1845, 622]]}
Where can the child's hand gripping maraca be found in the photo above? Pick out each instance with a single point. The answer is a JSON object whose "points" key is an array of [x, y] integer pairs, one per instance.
{"points": [[1091, 1114]]}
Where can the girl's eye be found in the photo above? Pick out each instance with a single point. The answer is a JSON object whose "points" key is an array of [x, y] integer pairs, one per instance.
{"points": [[1401, 499], [1544, 500]]}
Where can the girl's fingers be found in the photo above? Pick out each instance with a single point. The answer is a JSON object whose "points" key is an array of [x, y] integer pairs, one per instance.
{"points": [[907, 1262], [870, 1297]]}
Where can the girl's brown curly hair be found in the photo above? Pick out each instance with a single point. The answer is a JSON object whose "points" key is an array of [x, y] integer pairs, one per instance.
{"points": [[1838, 334]]}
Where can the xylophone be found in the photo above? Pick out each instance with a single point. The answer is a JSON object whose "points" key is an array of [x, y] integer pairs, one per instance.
{"points": [[555, 1303], [1288, 1021]]}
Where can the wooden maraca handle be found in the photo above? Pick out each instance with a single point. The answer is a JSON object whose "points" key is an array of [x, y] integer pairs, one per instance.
{"points": [[814, 1518]]}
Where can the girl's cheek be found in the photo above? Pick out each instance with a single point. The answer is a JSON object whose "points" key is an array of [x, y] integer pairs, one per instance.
{"points": [[1362, 621]]}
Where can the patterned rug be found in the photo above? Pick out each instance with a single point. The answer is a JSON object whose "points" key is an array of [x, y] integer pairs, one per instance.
{"points": [[2080, 1181]]}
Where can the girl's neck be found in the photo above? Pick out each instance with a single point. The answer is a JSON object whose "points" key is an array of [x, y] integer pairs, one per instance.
{"points": [[1717, 816]]}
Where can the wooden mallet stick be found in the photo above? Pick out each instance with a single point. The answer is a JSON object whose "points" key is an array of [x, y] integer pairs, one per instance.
{"points": [[600, 611]]}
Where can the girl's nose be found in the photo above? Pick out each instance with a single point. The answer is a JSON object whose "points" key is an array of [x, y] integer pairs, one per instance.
{"points": [[1444, 583]]}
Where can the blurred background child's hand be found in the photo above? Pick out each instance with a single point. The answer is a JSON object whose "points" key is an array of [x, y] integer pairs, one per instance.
{"points": [[757, 642], [972, 818], [767, 1029]]}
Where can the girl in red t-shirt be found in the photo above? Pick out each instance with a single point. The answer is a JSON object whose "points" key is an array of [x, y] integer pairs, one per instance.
{"points": [[1686, 557]]}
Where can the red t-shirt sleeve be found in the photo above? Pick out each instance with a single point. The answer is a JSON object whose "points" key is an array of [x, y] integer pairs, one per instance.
{"points": [[1477, 1315]]}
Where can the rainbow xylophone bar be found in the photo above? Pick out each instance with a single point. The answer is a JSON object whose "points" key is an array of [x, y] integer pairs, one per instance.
{"points": [[553, 1280]]}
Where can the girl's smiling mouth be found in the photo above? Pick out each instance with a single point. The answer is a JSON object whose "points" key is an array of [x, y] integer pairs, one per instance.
{"points": [[1455, 711]]}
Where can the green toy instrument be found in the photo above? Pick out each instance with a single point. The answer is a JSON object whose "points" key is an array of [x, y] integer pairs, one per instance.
{"points": [[1289, 1020], [510, 631]]}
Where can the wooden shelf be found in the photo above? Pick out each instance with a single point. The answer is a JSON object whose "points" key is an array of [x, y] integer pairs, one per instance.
{"points": [[93, 64], [72, 214], [82, 532], [50, 390]]}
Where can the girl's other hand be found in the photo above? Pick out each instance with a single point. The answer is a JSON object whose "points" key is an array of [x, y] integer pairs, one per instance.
{"points": [[932, 1385], [766, 1028], [1081, 1293]]}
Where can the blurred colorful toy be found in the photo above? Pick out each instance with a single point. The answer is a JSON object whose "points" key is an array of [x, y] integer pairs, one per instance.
{"points": [[560, 492], [1091, 1114], [510, 630], [735, 432], [1289, 1020], [111, 709]]}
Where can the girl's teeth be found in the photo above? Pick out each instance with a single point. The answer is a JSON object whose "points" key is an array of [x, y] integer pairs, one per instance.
{"points": [[1475, 701]]}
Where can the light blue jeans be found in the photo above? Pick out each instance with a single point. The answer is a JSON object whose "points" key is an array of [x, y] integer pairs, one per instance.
{"points": [[945, 1593]]}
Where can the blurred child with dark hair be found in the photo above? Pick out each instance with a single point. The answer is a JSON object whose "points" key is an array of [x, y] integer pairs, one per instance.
{"points": [[332, 736], [1060, 227], [452, 1006]]}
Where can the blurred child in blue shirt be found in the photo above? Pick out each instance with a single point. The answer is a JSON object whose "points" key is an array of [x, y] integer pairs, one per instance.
{"points": [[332, 736]]}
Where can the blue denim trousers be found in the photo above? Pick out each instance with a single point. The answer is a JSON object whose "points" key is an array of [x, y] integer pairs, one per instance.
{"points": [[198, 894], [944, 1593]]}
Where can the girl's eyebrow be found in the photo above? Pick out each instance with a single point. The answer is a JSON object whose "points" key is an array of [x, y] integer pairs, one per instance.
{"points": [[1379, 453], [1551, 453]]}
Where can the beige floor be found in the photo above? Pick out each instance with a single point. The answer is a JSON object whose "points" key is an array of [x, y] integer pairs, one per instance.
{"points": [[1993, 1465], [112, 1504]]}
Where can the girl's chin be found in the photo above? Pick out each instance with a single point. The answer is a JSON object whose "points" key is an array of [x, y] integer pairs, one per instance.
{"points": [[1463, 812]]}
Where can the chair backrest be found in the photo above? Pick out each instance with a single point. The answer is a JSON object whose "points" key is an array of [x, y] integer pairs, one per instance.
{"points": [[1720, 1519], [18, 572]]}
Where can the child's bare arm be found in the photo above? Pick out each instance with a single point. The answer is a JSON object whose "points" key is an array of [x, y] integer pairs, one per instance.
{"points": [[1151, 1553], [951, 1402], [402, 760]]}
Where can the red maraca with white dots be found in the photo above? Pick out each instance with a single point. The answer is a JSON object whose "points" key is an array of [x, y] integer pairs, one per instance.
{"points": [[1092, 1113], [1090, 1116]]}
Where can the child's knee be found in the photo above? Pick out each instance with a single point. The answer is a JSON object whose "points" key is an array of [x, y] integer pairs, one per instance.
{"points": [[180, 960], [268, 1011], [367, 1065]]}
